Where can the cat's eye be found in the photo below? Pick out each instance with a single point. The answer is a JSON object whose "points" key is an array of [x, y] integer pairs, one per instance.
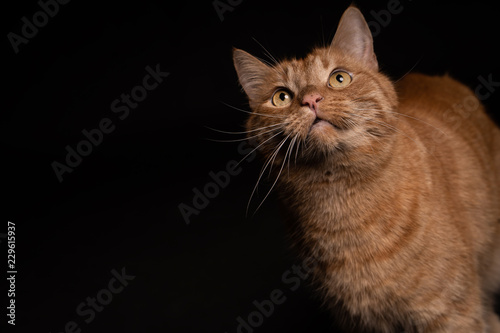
{"points": [[339, 79], [281, 98]]}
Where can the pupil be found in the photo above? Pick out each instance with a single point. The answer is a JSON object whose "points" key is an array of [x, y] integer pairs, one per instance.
{"points": [[340, 78], [282, 96]]}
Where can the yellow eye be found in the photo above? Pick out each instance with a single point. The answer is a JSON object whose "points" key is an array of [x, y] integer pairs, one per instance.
{"points": [[281, 98], [339, 79]]}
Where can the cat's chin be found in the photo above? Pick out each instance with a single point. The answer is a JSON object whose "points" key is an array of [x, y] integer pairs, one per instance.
{"points": [[323, 131], [323, 138], [321, 122]]}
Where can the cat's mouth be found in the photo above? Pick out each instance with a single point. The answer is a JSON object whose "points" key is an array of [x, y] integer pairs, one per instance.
{"points": [[321, 122]]}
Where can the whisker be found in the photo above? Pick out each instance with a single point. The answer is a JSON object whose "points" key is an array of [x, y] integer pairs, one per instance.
{"points": [[297, 149], [292, 143], [274, 156], [360, 98], [263, 170], [322, 31], [364, 135], [266, 51], [249, 112], [246, 138], [264, 167], [412, 68], [276, 66], [404, 115], [258, 147], [244, 132], [279, 174], [390, 127]]}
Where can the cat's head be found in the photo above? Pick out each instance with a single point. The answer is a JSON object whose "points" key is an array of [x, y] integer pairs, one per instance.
{"points": [[332, 105]]}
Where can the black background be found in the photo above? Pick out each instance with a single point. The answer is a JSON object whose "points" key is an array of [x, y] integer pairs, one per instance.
{"points": [[119, 207]]}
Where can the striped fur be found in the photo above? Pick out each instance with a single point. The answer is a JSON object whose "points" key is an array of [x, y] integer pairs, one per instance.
{"points": [[396, 196]]}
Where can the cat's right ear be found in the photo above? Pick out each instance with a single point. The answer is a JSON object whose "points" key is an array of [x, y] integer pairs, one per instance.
{"points": [[251, 72]]}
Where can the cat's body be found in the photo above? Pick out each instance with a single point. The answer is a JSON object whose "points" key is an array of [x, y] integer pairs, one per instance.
{"points": [[404, 244], [395, 190]]}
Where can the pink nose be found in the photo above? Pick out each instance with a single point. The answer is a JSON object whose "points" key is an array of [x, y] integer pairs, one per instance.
{"points": [[312, 101]]}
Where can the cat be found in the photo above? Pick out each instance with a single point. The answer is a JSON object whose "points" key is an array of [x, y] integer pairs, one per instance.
{"points": [[389, 186]]}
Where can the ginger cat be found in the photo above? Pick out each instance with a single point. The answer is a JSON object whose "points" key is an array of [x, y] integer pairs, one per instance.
{"points": [[392, 189]]}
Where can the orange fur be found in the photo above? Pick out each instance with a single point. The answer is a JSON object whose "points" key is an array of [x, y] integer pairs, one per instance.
{"points": [[395, 193]]}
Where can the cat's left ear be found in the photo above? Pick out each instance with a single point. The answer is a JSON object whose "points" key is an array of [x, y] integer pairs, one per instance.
{"points": [[354, 37]]}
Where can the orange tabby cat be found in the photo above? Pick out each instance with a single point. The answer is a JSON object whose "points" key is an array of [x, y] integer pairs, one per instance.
{"points": [[388, 185]]}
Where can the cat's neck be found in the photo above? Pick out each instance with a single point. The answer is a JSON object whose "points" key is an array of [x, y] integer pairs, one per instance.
{"points": [[336, 196]]}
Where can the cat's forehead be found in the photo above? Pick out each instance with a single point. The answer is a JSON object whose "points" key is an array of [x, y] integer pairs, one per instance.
{"points": [[312, 70]]}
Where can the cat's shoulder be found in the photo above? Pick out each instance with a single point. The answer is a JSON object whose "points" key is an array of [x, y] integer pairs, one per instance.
{"points": [[432, 87], [424, 82]]}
